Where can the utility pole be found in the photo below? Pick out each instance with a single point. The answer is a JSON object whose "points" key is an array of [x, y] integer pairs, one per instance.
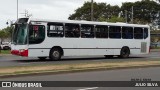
{"points": [[9, 23], [92, 10], [17, 9], [126, 15], [26, 14], [132, 15]]}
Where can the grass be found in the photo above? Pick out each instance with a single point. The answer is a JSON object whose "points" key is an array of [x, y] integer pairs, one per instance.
{"points": [[5, 52], [155, 47], [21, 70]]}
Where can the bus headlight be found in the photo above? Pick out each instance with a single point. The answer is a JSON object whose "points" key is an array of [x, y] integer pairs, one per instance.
{"points": [[21, 50]]}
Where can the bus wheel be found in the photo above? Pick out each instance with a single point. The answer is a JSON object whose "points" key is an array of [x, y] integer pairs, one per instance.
{"points": [[42, 58], [55, 54], [124, 52]]}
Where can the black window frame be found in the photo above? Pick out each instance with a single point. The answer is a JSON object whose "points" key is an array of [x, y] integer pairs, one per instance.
{"points": [[127, 32], [86, 33], [115, 33], [72, 30], [55, 33], [137, 33], [36, 40], [101, 34], [145, 34]]}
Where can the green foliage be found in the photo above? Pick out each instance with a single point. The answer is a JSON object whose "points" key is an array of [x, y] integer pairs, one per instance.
{"points": [[5, 33], [115, 19], [145, 12], [155, 38], [155, 31], [5, 52], [102, 11]]}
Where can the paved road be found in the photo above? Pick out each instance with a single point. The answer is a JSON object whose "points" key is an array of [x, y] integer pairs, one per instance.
{"points": [[109, 75], [9, 60]]}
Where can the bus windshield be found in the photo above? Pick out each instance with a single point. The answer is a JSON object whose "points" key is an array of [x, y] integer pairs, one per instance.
{"points": [[20, 34]]}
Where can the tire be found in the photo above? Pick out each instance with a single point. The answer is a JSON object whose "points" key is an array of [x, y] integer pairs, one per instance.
{"points": [[125, 52], [55, 54], [108, 56], [42, 58]]}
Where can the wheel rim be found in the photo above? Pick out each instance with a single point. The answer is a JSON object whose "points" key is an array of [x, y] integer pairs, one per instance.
{"points": [[56, 54], [124, 52]]}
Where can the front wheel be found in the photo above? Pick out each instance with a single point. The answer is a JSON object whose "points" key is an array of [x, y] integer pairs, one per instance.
{"points": [[125, 52], [55, 54]]}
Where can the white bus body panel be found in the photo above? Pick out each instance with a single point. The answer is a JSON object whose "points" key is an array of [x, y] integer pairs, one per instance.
{"points": [[86, 46]]}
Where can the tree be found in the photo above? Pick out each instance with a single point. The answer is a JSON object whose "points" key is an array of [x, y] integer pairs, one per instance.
{"points": [[157, 1], [115, 19], [5, 33], [145, 11], [101, 10]]}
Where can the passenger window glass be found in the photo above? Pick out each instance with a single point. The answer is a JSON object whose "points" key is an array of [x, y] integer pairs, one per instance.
{"points": [[101, 31], [138, 33], [36, 34], [145, 33], [127, 32], [72, 30], [87, 31], [115, 32], [55, 30]]}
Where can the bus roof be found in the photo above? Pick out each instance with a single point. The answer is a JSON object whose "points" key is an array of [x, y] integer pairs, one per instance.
{"points": [[88, 22]]}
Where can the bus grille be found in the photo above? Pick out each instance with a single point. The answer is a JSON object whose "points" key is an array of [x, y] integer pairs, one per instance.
{"points": [[143, 47]]}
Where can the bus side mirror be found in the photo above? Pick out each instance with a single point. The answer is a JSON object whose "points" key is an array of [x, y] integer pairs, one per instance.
{"points": [[7, 23]]}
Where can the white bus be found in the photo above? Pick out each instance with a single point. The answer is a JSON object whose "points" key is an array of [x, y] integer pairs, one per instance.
{"points": [[54, 39]]}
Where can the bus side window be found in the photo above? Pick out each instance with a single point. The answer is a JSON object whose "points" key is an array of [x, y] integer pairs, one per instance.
{"points": [[87, 31], [138, 33], [101, 31], [41, 32], [36, 34], [72, 30], [115, 32], [127, 32], [55, 30], [145, 35]]}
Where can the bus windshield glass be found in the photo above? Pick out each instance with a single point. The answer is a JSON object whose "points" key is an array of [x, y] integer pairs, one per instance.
{"points": [[20, 34]]}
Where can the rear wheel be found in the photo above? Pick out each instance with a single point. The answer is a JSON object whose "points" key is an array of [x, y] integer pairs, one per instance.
{"points": [[42, 58], [125, 52], [55, 54]]}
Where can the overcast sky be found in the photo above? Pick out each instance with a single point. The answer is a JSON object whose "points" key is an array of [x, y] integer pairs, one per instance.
{"points": [[46, 9]]}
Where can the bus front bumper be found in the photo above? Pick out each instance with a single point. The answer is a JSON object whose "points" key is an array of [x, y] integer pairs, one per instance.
{"points": [[20, 52]]}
